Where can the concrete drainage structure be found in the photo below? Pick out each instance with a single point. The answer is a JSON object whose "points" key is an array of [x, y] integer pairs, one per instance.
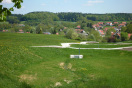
{"points": [[76, 56]]}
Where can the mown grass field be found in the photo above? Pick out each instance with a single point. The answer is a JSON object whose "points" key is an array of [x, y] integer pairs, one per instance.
{"points": [[22, 66]]}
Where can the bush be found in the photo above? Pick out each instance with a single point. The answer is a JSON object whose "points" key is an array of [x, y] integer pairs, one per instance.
{"points": [[91, 37], [61, 33], [74, 35], [82, 37], [111, 39], [71, 34], [104, 40]]}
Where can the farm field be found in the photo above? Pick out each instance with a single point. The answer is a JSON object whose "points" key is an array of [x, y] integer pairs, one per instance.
{"points": [[23, 66]]}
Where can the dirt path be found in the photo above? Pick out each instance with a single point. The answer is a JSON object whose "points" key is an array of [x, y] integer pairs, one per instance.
{"points": [[127, 49]]}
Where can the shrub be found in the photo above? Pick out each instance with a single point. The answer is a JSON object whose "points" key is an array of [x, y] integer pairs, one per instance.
{"points": [[91, 37], [82, 37], [104, 40], [71, 34], [111, 39], [61, 33]]}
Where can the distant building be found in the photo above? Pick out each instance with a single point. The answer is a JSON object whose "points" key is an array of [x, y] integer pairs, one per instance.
{"points": [[129, 35], [101, 23], [101, 32], [122, 25], [48, 33], [21, 25], [20, 31], [116, 23], [109, 23]]}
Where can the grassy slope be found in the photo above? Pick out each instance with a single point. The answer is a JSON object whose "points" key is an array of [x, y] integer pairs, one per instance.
{"points": [[24, 66]]}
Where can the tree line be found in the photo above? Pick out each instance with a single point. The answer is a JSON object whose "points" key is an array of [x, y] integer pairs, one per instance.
{"points": [[67, 16]]}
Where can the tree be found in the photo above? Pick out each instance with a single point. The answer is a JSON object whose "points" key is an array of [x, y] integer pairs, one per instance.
{"points": [[94, 36], [27, 28], [71, 34], [124, 36], [7, 11], [39, 29], [129, 28], [82, 36], [123, 29], [109, 31], [13, 19]]}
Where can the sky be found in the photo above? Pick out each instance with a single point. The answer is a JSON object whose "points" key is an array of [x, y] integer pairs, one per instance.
{"points": [[83, 6]]}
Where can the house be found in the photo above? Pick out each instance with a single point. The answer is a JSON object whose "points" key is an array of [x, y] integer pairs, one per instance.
{"points": [[122, 25], [4, 30], [78, 30], [65, 28], [129, 35], [95, 25], [106, 29], [27, 32], [116, 34], [84, 33], [20, 31], [101, 32], [117, 29], [78, 27], [57, 33], [101, 23], [116, 23], [21, 25], [109, 23], [48, 33]]}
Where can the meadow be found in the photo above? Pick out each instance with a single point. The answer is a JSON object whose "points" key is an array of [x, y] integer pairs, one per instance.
{"points": [[23, 66]]}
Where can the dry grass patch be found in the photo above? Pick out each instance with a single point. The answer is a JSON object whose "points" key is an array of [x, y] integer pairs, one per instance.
{"points": [[27, 78]]}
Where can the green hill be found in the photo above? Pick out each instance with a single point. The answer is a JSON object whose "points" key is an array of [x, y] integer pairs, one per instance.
{"points": [[22, 66]]}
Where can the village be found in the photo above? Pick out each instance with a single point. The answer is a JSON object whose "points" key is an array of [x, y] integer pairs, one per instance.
{"points": [[100, 27]]}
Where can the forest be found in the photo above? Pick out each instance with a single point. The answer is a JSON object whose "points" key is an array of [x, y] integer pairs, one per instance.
{"points": [[73, 17]]}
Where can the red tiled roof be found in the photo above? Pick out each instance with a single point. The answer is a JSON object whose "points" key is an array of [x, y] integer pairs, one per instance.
{"points": [[102, 32], [121, 25], [20, 30], [78, 26], [129, 35], [115, 22], [108, 22], [123, 22], [106, 29], [100, 22], [3, 30]]}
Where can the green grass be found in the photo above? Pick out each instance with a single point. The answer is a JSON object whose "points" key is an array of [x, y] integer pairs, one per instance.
{"points": [[23, 66]]}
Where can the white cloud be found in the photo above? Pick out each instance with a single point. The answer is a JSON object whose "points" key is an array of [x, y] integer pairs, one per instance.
{"points": [[92, 2], [7, 1]]}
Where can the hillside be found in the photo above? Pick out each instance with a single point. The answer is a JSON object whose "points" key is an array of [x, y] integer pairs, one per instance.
{"points": [[23, 66]]}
